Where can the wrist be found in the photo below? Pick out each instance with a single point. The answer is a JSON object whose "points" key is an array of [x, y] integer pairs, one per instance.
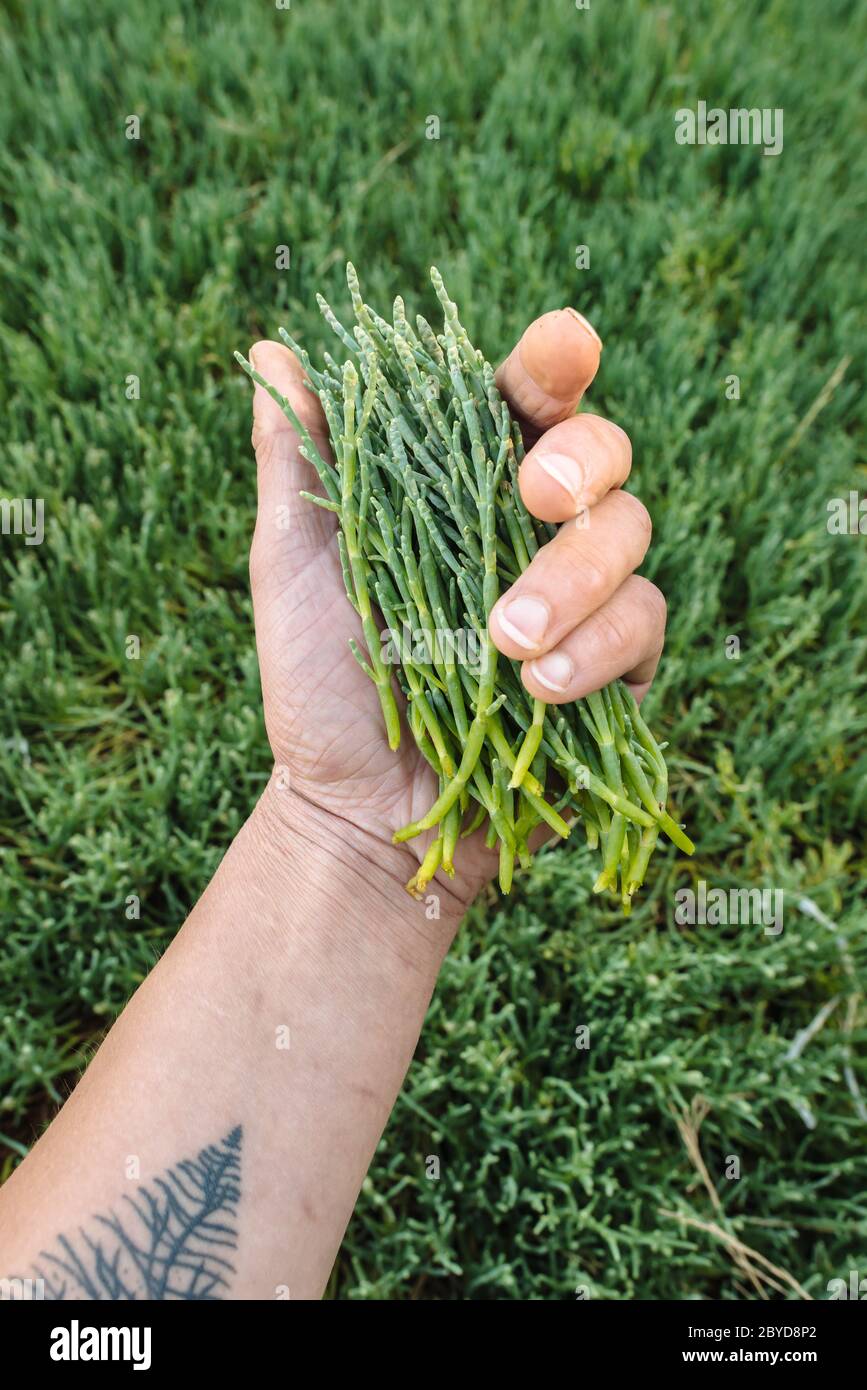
{"points": [[351, 880]]}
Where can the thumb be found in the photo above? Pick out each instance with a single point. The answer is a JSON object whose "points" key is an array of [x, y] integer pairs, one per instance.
{"points": [[549, 369], [289, 529]]}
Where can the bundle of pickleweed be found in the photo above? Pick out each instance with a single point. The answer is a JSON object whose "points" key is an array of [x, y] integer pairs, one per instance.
{"points": [[431, 529]]}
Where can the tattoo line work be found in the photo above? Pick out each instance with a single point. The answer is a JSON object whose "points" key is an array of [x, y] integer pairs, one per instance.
{"points": [[172, 1240]]}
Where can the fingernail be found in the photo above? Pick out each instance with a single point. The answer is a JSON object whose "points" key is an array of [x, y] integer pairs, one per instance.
{"points": [[252, 360], [564, 470], [585, 325], [524, 620], [554, 671]]}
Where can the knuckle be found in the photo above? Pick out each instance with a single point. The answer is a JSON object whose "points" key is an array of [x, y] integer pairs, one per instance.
{"points": [[592, 580], [609, 432], [655, 604], [638, 515], [619, 437], [262, 441], [619, 450], [610, 437], [613, 629]]}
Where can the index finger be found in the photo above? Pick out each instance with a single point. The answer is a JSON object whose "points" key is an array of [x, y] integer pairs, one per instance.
{"points": [[550, 367]]}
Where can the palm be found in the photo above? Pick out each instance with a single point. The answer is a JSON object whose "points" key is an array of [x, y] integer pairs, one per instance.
{"points": [[322, 713]]}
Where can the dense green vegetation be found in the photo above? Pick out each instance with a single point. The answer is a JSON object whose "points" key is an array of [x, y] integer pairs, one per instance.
{"points": [[153, 258]]}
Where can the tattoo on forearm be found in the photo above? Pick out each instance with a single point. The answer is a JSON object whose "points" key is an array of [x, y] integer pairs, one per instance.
{"points": [[172, 1238]]}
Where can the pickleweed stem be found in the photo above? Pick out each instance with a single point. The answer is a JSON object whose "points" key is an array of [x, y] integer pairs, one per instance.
{"points": [[430, 527]]}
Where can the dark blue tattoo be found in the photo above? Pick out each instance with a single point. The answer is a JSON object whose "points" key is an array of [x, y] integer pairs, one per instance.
{"points": [[173, 1238]]}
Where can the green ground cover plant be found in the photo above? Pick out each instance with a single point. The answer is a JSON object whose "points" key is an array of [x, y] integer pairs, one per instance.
{"points": [[724, 284]]}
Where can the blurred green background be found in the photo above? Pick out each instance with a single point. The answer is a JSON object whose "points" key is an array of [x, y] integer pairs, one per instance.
{"points": [[155, 258]]}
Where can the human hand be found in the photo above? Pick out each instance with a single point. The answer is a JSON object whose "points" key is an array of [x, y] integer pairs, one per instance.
{"points": [[577, 618]]}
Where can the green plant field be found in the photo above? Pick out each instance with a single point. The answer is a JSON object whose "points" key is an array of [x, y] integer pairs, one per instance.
{"points": [[561, 1167]]}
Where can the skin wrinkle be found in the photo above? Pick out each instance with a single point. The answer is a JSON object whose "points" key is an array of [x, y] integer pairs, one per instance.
{"points": [[316, 526], [639, 513], [597, 448], [369, 905], [323, 751], [610, 641], [582, 568], [301, 594], [372, 852]]}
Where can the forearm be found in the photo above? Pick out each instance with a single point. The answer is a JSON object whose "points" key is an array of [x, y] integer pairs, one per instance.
{"points": [[289, 1005]]}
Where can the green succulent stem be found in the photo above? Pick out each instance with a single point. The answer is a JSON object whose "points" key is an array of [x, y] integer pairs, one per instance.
{"points": [[430, 527]]}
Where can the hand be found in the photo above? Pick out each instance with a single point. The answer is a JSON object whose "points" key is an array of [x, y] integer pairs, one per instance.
{"points": [[577, 618]]}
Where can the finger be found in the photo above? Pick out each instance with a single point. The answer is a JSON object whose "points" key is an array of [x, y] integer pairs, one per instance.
{"points": [[623, 638], [571, 577], [550, 368], [573, 466], [288, 528]]}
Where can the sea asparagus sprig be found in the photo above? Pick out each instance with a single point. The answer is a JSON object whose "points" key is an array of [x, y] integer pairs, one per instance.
{"points": [[431, 528]]}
